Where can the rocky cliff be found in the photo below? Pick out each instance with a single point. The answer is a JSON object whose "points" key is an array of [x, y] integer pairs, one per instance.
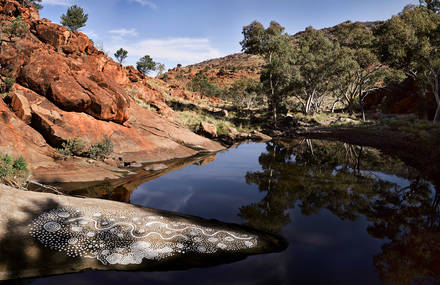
{"points": [[65, 88]]}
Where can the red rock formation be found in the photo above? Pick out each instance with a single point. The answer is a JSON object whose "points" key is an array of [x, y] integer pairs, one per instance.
{"points": [[404, 98], [66, 88]]}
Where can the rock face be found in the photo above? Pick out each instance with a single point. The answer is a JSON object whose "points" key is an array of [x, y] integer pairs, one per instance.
{"points": [[65, 88], [48, 234], [208, 130], [404, 98]]}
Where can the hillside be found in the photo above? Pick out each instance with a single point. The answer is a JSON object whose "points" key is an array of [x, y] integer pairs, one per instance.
{"points": [[57, 86], [223, 72]]}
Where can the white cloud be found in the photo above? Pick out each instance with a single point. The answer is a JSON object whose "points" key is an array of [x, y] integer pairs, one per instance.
{"points": [[185, 50], [145, 3], [124, 32], [56, 2], [91, 34]]}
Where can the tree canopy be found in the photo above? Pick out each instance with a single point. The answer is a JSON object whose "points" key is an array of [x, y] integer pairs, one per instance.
{"points": [[74, 18], [410, 42], [146, 65], [275, 46], [120, 55]]}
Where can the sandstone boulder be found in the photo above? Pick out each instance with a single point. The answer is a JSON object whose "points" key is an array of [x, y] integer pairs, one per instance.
{"points": [[208, 130], [20, 106]]}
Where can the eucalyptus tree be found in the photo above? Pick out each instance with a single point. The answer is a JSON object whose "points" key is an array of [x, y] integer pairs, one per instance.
{"points": [[410, 41], [358, 68], [276, 47], [314, 67]]}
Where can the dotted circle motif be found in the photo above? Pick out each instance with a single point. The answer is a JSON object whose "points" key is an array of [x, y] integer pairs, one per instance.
{"points": [[52, 227]]}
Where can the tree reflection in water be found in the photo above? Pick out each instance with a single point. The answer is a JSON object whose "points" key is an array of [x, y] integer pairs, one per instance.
{"points": [[351, 181]]}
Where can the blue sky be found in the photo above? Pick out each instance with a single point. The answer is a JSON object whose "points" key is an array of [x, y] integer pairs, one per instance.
{"points": [[190, 31]]}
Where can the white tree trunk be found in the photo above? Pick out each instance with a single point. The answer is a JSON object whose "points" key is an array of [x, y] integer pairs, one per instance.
{"points": [[272, 90], [437, 99]]}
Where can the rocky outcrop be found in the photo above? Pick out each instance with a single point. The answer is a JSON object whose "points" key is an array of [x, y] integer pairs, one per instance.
{"points": [[15, 9], [49, 234], [66, 88]]}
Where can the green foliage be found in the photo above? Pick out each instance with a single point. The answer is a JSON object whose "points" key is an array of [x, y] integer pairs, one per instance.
{"points": [[6, 159], [146, 64], [276, 47], [200, 83], [75, 146], [13, 172], [313, 69], [222, 72], [121, 54], [20, 164], [419, 55], [9, 82], [254, 38], [17, 28], [246, 94], [160, 68], [74, 18], [179, 65], [358, 70], [342, 67], [101, 149]]}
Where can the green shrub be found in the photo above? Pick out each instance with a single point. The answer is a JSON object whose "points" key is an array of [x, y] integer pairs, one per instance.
{"points": [[20, 164], [101, 149], [6, 84], [13, 172], [72, 147], [222, 72], [17, 28], [9, 82], [6, 162]]}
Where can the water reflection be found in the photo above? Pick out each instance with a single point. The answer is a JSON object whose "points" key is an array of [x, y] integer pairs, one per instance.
{"points": [[351, 181], [121, 189]]}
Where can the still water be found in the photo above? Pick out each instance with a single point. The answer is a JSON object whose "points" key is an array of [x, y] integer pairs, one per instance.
{"points": [[351, 215]]}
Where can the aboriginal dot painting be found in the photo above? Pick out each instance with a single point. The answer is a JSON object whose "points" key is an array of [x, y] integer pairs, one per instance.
{"points": [[129, 238]]}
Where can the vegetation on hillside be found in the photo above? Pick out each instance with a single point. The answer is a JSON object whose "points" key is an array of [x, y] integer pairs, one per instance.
{"points": [[78, 147], [13, 171], [322, 70]]}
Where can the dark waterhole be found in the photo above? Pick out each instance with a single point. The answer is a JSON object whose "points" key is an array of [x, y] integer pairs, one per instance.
{"points": [[351, 215]]}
